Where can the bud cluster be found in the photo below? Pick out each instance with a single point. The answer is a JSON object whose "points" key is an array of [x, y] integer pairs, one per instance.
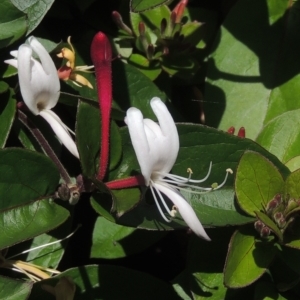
{"points": [[280, 210], [168, 36]]}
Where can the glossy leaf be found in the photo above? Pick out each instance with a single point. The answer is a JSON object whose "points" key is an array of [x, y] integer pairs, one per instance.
{"points": [[14, 289], [257, 182], [151, 70], [88, 121], [48, 256], [29, 175], [247, 259], [292, 236], [27, 221], [242, 70], [132, 88], [100, 282], [35, 11], [7, 112], [13, 23], [115, 241], [142, 5], [292, 185]]}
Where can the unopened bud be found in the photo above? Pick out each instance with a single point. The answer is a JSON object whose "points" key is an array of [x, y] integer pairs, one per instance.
{"points": [[242, 132], [173, 20], [231, 130], [150, 51], [142, 28], [273, 203], [179, 10], [259, 225], [117, 18], [165, 51], [265, 232]]}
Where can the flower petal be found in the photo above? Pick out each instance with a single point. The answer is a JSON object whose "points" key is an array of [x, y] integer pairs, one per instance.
{"points": [[28, 68], [12, 62], [169, 132], [135, 122], [60, 130], [53, 85], [185, 210]]}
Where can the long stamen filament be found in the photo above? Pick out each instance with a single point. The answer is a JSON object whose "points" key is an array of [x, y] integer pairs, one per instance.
{"points": [[180, 179], [158, 206], [163, 202], [184, 186]]}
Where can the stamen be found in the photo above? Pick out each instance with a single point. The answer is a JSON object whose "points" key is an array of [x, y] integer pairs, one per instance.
{"points": [[180, 179], [225, 179], [173, 211], [157, 204]]}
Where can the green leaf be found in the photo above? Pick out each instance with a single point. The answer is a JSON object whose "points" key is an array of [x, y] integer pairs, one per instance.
{"points": [[217, 208], [292, 237], [294, 163], [29, 175], [283, 143], [142, 5], [34, 9], [292, 185], [266, 291], [247, 259], [88, 120], [7, 112], [242, 69], [27, 221], [291, 257], [48, 256], [14, 289], [150, 69], [100, 282], [13, 23], [132, 88], [184, 67], [257, 182], [115, 241]]}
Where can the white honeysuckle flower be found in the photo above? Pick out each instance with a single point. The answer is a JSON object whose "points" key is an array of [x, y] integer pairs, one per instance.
{"points": [[156, 147], [40, 87]]}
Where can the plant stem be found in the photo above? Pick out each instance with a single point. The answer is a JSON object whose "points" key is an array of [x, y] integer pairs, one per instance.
{"points": [[45, 145]]}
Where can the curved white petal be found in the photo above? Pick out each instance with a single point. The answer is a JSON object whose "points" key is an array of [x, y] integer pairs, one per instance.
{"points": [[185, 210], [53, 85], [28, 69], [169, 132], [60, 130], [134, 120], [12, 62], [14, 53]]}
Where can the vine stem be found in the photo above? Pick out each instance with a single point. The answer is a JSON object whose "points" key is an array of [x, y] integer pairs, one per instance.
{"points": [[44, 144]]}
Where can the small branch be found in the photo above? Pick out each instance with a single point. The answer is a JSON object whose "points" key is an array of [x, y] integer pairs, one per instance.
{"points": [[44, 144]]}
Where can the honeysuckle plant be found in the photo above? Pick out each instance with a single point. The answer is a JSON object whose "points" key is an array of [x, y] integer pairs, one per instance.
{"points": [[144, 177]]}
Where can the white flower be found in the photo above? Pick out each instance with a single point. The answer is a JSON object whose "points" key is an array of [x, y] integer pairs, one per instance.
{"points": [[156, 147], [40, 87]]}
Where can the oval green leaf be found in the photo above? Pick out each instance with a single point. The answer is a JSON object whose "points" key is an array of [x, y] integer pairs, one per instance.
{"points": [[247, 260], [257, 182]]}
